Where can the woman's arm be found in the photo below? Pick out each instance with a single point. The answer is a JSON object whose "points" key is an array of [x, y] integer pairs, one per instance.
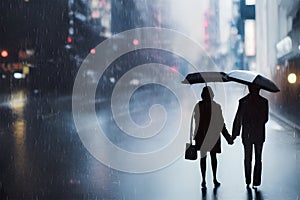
{"points": [[226, 135]]}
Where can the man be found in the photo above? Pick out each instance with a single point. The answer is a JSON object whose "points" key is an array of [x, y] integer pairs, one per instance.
{"points": [[252, 115]]}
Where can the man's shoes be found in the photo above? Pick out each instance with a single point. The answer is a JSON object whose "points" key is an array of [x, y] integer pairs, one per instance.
{"points": [[255, 187], [217, 184]]}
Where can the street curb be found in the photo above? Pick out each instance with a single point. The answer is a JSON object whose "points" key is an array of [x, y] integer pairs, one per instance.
{"points": [[285, 120]]}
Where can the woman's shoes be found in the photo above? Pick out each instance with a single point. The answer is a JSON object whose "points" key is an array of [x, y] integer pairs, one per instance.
{"points": [[203, 185], [216, 183]]}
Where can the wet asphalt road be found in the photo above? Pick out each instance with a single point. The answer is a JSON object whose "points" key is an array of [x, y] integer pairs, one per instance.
{"points": [[42, 157]]}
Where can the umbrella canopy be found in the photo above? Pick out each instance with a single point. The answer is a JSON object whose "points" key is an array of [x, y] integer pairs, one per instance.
{"points": [[249, 77], [204, 77]]}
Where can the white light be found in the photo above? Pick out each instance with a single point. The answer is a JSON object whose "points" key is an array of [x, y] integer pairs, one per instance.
{"points": [[250, 44], [250, 2], [299, 47], [71, 31], [292, 78], [134, 82], [284, 46], [68, 46], [29, 52], [80, 16], [112, 79], [18, 75]]}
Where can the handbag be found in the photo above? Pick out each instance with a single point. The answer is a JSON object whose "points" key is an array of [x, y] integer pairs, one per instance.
{"points": [[190, 152], [190, 149]]}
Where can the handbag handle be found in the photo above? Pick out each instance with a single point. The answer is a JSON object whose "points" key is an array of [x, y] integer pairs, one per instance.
{"points": [[191, 130]]}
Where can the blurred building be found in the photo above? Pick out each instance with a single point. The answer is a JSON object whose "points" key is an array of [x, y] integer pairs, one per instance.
{"points": [[278, 39], [286, 69], [224, 33], [212, 28], [236, 38], [124, 15], [32, 35], [130, 14], [89, 24], [275, 21], [243, 34]]}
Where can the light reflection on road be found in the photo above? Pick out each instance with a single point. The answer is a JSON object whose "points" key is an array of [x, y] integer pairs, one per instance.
{"points": [[17, 102]]}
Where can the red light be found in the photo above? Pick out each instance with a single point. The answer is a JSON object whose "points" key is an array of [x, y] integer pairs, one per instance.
{"points": [[206, 36], [93, 51], [96, 14], [4, 53], [208, 12], [135, 42], [69, 39], [205, 23], [174, 68]]}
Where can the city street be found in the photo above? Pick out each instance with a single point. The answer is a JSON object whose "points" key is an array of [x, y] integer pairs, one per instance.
{"points": [[97, 98], [42, 157]]}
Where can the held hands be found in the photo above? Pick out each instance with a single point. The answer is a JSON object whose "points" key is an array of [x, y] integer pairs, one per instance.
{"points": [[227, 136], [230, 141]]}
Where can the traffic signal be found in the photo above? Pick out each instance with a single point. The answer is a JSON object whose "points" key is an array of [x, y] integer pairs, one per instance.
{"points": [[69, 39]]}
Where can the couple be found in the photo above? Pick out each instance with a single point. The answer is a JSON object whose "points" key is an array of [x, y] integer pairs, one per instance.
{"points": [[251, 116]]}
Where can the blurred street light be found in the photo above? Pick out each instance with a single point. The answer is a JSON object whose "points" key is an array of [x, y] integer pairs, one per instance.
{"points": [[4, 53], [18, 75], [69, 39], [135, 42], [292, 78], [93, 51]]}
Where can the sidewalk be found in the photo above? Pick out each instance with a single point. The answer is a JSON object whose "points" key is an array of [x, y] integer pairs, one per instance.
{"points": [[288, 114]]}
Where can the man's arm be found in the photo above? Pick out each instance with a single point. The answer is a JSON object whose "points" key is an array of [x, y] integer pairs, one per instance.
{"points": [[237, 123], [266, 111]]}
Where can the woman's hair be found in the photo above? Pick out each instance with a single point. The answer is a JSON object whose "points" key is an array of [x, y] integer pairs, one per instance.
{"points": [[207, 93]]}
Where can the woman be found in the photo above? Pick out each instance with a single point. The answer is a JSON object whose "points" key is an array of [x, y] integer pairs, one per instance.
{"points": [[209, 123]]}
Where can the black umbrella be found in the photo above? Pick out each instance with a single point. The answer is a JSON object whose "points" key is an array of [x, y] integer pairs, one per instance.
{"points": [[204, 77], [249, 77]]}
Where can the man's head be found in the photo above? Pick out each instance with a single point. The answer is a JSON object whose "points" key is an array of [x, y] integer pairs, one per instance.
{"points": [[207, 93], [253, 89]]}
